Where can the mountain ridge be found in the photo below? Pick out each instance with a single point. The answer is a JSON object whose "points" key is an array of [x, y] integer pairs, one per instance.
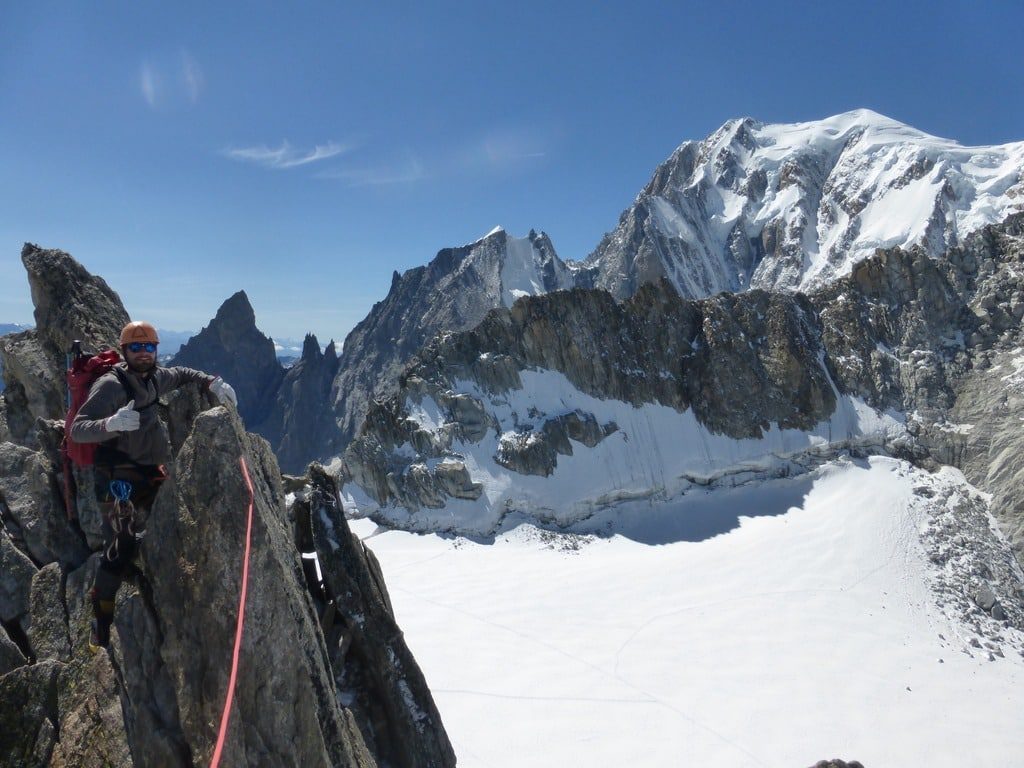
{"points": [[874, 361]]}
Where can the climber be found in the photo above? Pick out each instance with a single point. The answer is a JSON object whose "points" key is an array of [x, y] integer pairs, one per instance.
{"points": [[120, 415]]}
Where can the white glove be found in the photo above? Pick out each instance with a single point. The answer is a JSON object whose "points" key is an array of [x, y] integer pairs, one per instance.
{"points": [[223, 391], [125, 420]]}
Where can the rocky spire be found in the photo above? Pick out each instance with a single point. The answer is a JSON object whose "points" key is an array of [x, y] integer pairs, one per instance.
{"points": [[311, 349], [299, 419], [70, 304], [232, 347]]}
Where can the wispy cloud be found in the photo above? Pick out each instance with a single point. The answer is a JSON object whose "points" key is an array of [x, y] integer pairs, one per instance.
{"points": [[498, 153], [504, 150], [285, 156], [409, 172], [148, 84], [192, 77], [171, 81]]}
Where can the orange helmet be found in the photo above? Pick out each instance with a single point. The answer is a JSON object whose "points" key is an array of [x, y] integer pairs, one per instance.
{"points": [[138, 330]]}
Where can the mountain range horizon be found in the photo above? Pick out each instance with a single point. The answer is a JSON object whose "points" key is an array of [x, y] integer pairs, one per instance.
{"points": [[861, 116]]}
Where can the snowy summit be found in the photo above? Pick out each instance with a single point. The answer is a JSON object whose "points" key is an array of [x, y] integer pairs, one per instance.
{"points": [[791, 206]]}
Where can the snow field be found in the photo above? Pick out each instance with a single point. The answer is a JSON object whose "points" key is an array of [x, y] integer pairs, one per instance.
{"points": [[805, 629]]}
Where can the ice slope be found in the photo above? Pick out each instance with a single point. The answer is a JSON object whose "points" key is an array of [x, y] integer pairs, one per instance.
{"points": [[523, 270], [655, 453], [810, 627]]}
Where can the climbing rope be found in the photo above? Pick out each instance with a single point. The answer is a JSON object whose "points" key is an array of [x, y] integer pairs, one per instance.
{"points": [[238, 627]]}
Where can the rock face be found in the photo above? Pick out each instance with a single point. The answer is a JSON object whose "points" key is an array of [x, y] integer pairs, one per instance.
{"points": [[529, 385], [793, 206], [6, 328], [313, 686], [452, 293], [300, 416], [232, 347], [913, 355], [372, 664]]}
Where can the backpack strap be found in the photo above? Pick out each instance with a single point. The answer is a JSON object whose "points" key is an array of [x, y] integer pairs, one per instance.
{"points": [[129, 395]]}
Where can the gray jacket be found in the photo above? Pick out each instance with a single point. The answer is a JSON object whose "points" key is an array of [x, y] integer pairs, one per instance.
{"points": [[149, 444]]}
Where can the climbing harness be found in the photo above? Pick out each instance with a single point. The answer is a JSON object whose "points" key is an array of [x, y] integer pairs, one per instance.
{"points": [[238, 627], [122, 517]]}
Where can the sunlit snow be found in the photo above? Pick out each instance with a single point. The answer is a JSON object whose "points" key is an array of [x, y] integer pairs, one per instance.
{"points": [[834, 191], [771, 625]]}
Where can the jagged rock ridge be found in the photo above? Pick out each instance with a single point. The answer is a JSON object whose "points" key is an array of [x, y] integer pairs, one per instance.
{"points": [[753, 205], [453, 292], [904, 333], [325, 678], [300, 417]]}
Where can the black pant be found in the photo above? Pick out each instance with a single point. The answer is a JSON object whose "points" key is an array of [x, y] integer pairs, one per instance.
{"points": [[119, 542]]}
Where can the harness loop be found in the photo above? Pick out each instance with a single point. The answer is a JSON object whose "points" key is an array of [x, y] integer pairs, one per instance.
{"points": [[122, 517]]}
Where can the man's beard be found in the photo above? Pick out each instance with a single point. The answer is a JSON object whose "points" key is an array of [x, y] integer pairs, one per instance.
{"points": [[141, 367]]}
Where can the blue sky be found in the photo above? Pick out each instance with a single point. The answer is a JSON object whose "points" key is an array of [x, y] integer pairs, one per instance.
{"points": [[304, 151]]}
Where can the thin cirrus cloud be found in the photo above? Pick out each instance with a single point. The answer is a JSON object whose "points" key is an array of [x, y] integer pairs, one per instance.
{"points": [[408, 172], [495, 154], [505, 150], [169, 82], [285, 156]]}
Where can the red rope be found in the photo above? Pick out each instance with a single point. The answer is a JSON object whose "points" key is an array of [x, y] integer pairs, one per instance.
{"points": [[238, 629]]}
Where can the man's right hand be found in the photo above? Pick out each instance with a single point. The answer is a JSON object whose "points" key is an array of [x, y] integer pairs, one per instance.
{"points": [[125, 420]]}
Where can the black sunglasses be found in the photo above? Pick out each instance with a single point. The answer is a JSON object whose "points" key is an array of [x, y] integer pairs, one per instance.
{"points": [[138, 346]]}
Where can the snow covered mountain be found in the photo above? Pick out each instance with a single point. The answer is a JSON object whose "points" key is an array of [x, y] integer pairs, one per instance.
{"points": [[452, 293], [567, 404], [791, 206], [787, 206]]}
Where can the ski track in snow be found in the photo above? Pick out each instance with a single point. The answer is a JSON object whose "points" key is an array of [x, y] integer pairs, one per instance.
{"points": [[529, 648], [650, 698]]}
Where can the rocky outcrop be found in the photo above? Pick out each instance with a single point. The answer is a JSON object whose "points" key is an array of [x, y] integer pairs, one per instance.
{"points": [[156, 696], [232, 347], [70, 304], [6, 328], [299, 418], [16, 572], [30, 489], [200, 523], [935, 341], [28, 711], [372, 663]]}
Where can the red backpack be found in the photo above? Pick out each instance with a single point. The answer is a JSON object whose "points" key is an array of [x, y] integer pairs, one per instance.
{"points": [[82, 372]]}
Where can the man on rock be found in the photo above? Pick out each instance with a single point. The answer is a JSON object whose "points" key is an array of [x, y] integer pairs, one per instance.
{"points": [[121, 416]]}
